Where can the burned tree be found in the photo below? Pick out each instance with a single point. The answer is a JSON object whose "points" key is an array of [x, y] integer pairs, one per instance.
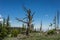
{"points": [[29, 17], [50, 25], [8, 24], [56, 21], [41, 27]]}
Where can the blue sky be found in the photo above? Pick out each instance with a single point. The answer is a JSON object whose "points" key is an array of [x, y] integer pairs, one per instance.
{"points": [[45, 10]]}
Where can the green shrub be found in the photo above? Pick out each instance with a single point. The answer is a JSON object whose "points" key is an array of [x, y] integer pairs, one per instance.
{"points": [[14, 33], [3, 32], [51, 32]]}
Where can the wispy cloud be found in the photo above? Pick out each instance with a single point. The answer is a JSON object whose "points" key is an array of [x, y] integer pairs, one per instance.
{"points": [[1, 19], [46, 15]]}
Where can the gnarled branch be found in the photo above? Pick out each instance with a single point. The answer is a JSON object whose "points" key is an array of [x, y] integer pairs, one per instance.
{"points": [[21, 20]]}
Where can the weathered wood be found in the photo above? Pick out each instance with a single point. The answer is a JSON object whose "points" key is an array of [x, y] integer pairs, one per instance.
{"points": [[20, 20], [29, 17]]}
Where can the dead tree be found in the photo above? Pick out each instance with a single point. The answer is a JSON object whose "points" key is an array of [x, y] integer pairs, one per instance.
{"points": [[41, 26], [54, 22], [29, 17], [57, 19], [50, 25]]}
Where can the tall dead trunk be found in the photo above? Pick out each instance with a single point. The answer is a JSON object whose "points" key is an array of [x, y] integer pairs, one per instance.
{"points": [[29, 20]]}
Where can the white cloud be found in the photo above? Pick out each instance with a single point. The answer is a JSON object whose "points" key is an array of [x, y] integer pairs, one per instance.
{"points": [[1, 19]]}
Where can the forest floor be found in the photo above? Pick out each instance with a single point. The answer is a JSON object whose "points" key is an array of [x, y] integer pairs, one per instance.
{"points": [[35, 36]]}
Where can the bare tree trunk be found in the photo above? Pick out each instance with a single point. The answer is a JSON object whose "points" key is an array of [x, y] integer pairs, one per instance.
{"points": [[29, 22], [27, 30]]}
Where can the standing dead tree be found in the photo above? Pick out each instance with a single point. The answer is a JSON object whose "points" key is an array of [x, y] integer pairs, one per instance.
{"points": [[29, 17], [56, 20], [50, 25], [41, 26]]}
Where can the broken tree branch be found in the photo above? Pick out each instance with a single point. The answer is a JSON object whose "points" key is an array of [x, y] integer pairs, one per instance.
{"points": [[21, 20]]}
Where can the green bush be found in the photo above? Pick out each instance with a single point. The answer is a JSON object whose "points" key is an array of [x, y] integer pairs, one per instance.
{"points": [[14, 33], [51, 32], [3, 32]]}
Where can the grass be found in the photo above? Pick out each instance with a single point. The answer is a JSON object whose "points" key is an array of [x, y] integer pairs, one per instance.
{"points": [[36, 36]]}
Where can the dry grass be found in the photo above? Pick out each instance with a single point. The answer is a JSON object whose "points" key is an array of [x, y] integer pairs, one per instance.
{"points": [[38, 36]]}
